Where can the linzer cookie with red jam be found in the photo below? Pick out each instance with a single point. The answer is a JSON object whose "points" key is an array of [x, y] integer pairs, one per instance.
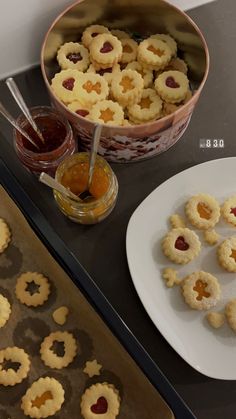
{"points": [[105, 51], [181, 245], [100, 400], [203, 211], [127, 87], [107, 112], [168, 40], [63, 85], [73, 55], [227, 254], [91, 88], [91, 32], [146, 74], [79, 108], [172, 86], [107, 73], [201, 290], [169, 108], [130, 48], [154, 54], [148, 109], [228, 210]]}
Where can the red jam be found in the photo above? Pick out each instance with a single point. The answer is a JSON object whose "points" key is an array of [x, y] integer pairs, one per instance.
{"points": [[181, 244], [104, 71], [107, 47], [53, 131], [94, 34], [100, 407], [69, 83], [233, 211], [74, 57], [170, 82], [82, 112]]}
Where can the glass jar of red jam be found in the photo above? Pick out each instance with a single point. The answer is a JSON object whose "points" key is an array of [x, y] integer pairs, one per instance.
{"points": [[73, 174], [59, 140]]}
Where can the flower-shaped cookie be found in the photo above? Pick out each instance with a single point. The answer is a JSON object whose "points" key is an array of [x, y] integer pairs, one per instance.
{"points": [[73, 55], [52, 344], [107, 73], [168, 40], [63, 85], [230, 312], [181, 245], [100, 400], [9, 376], [105, 51], [32, 289], [228, 210], [107, 112], [201, 290], [203, 211], [154, 54], [130, 48], [91, 88], [91, 32], [79, 108], [227, 254], [146, 74], [147, 109], [172, 86], [127, 87]]}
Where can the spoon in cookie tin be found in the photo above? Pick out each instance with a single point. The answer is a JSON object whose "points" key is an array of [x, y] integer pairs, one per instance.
{"points": [[12, 86]]}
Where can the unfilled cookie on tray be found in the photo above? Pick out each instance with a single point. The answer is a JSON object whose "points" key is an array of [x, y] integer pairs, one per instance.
{"points": [[181, 245], [5, 235], [92, 368], [203, 211], [100, 400], [62, 342], [14, 366], [201, 290], [5, 310], [32, 289], [60, 315], [227, 254], [43, 399]]}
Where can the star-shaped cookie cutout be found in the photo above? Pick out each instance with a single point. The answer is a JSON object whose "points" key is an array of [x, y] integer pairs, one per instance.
{"points": [[92, 368]]}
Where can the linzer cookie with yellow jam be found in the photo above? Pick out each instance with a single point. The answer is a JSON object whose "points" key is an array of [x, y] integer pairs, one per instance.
{"points": [[105, 51], [63, 85], [79, 108], [91, 88], [181, 245], [129, 52], [201, 290], [172, 86], [168, 40], [228, 210], [146, 74], [73, 55], [153, 54], [107, 112], [127, 87], [107, 73], [227, 254], [148, 109], [10, 376], [101, 399], [91, 32], [203, 211]]}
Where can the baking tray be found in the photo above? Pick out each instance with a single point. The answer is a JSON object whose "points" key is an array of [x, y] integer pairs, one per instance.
{"points": [[102, 335]]}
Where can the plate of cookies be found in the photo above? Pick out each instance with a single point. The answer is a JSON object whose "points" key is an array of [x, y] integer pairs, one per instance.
{"points": [[183, 264]]}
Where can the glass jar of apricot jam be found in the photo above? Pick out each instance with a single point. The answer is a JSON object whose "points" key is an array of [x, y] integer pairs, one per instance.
{"points": [[73, 174], [59, 140]]}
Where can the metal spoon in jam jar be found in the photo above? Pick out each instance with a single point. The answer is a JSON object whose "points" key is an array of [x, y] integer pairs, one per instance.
{"points": [[11, 84], [53, 184], [86, 195]]}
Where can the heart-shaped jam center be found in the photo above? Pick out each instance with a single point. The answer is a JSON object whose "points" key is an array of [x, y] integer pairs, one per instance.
{"points": [[82, 112], [69, 83], [204, 211], [233, 211], [170, 82], [200, 288], [94, 34], [74, 57], [107, 115], [100, 407], [181, 244], [104, 71], [107, 47]]}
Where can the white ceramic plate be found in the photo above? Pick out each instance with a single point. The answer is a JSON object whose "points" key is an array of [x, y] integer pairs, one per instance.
{"points": [[210, 351]]}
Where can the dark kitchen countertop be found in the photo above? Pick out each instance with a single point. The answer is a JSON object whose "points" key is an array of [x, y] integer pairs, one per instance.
{"points": [[101, 248]]}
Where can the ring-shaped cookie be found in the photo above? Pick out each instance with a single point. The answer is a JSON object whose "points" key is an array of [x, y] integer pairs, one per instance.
{"points": [[5, 235], [230, 312], [91, 88], [201, 290], [154, 54], [127, 87], [168, 40], [43, 399], [107, 112], [37, 298], [149, 107], [50, 358], [100, 400], [228, 210], [74, 56], [63, 85], [5, 310], [146, 74], [226, 253], [10, 377], [91, 32], [203, 211], [172, 86], [129, 52], [181, 245], [106, 50]]}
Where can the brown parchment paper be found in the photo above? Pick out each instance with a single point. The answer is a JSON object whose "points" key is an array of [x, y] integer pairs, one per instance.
{"points": [[27, 327]]}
